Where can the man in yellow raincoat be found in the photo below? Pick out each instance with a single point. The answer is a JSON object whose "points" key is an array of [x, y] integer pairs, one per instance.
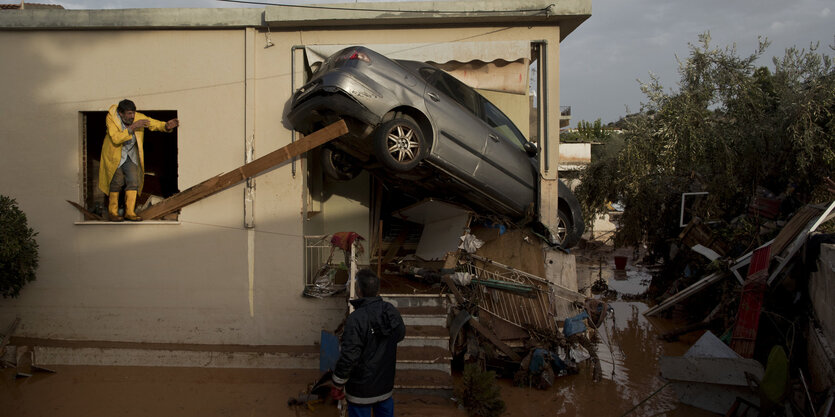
{"points": [[122, 156]]}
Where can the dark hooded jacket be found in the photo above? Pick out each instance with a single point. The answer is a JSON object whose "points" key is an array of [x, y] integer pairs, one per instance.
{"points": [[368, 352]]}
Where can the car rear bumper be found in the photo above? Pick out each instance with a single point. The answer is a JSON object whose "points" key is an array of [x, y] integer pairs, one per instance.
{"points": [[323, 108]]}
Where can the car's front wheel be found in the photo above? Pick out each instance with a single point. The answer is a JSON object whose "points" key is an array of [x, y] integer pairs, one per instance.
{"points": [[399, 143]]}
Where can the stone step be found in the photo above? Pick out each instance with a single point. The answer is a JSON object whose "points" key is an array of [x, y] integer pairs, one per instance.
{"points": [[417, 300], [424, 358], [419, 335], [109, 353], [423, 380], [424, 316]]}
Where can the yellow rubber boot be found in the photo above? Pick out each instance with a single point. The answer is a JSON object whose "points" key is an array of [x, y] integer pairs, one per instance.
{"points": [[130, 203], [113, 207]]}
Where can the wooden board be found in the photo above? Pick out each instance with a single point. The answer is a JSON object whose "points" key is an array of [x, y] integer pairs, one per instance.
{"points": [[223, 181]]}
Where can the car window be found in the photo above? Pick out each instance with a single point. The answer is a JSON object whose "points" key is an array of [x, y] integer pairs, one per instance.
{"points": [[499, 121], [456, 90], [427, 73]]}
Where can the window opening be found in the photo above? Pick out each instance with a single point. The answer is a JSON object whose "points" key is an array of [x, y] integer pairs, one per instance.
{"points": [[160, 149]]}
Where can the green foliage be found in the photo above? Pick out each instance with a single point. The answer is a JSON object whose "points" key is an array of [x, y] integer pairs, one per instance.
{"points": [[479, 393], [18, 249], [731, 127], [586, 132]]}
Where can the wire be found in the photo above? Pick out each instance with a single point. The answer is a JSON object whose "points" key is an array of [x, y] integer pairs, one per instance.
{"points": [[645, 399], [240, 228], [545, 10]]}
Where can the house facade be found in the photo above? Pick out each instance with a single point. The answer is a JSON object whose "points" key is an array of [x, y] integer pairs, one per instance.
{"points": [[230, 269]]}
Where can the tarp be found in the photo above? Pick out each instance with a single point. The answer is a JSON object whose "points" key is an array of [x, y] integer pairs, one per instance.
{"points": [[498, 66]]}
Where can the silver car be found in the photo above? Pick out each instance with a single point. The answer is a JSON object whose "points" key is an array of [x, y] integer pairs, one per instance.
{"points": [[421, 125]]}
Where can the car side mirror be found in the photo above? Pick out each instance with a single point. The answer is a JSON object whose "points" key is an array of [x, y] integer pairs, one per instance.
{"points": [[531, 149]]}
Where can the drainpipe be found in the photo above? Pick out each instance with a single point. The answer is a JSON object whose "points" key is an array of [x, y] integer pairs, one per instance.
{"points": [[293, 90], [542, 102]]}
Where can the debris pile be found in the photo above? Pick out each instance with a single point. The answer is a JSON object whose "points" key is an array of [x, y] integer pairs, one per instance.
{"points": [[758, 297], [507, 319]]}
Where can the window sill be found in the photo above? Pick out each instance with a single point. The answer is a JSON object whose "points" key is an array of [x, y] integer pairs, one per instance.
{"points": [[127, 223]]}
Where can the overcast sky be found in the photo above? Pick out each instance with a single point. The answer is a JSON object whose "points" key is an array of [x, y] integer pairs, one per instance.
{"points": [[624, 41]]}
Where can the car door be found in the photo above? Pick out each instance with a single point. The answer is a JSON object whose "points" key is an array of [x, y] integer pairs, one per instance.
{"points": [[461, 135], [507, 168]]}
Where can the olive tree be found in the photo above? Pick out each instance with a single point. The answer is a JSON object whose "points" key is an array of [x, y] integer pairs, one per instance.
{"points": [[730, 127]]}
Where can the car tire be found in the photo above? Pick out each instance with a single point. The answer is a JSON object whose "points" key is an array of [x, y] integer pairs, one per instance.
{"points": [[338, 165], [399, 143], [566, 233]]}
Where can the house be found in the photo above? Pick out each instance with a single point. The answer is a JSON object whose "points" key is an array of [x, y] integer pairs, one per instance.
{"points": [[229, 269]]}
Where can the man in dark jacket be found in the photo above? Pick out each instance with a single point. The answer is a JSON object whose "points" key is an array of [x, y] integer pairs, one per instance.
{"points": [[368, 352]]}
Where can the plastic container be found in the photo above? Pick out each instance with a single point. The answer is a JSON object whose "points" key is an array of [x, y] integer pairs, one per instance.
{"points": [[620, 263]]}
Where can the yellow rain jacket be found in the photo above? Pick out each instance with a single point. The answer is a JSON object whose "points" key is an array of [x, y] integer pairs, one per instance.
{"points": [[111, 150]]}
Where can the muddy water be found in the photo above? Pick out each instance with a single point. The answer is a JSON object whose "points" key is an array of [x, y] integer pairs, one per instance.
{"points": [[629, 354]]}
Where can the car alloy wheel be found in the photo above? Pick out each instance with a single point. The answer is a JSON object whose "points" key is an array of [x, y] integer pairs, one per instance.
{"points": [[399, 144]]}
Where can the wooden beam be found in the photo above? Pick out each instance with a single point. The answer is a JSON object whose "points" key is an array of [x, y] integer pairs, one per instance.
{"points": [[8, 335], [395, 246], [494, 339], [88, 215], [223, 181], [694, 288]]}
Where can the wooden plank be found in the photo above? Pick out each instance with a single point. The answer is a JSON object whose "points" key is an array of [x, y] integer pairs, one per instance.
{"points": [[88, 215], [395, 246], [454, 288], [221, 182], [799, 238], [8, 335], [693, 289], [494, 339]]}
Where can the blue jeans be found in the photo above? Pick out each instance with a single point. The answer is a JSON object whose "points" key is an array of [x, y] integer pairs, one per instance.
{"points": [[126, 175], [383, 408]]}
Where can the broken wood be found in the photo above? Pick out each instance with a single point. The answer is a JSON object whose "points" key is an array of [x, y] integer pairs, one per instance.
{"points": [[395, 246], [798, 238], [494, 339], [8, 335], [88, 215], [459, 298], [223, 181], [693, 289]]}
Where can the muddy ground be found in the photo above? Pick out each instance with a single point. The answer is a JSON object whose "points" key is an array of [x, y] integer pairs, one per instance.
{"points": [[629, 354]]}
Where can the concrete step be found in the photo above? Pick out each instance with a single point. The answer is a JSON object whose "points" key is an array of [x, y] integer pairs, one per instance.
{"points": [[418, 335], [424, 358], [424, 316], [108, 353], [420, 382], [417, 300]]}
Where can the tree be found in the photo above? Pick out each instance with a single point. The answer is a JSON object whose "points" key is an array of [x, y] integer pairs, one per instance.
{"points": [[18, 249], [730, 128]]}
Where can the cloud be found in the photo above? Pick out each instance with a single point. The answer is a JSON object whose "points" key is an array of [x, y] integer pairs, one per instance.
{"points": [[825, 12]]}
